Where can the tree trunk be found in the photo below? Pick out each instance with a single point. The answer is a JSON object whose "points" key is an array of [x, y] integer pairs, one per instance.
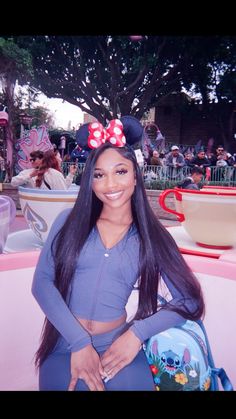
{"points": [[10, 150], [8, 92]]}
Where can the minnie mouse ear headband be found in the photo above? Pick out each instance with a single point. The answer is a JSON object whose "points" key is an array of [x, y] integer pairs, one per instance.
{"points": [[118, 132]]}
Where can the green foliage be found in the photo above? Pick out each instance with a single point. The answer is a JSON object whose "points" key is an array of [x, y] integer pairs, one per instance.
{"points": [[15, 60], [114, 76], [42, 116], [159, 184], [167, 184]]}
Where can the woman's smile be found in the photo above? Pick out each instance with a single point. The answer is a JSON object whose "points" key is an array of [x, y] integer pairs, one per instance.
{"points": [[113, 195]]}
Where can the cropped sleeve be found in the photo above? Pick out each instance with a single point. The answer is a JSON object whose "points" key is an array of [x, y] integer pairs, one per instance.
{"points": [[50, 299], [164, 318]]}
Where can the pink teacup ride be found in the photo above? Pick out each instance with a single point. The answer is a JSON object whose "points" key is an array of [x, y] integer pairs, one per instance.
{"points": [[22, 318], [208, 216]]}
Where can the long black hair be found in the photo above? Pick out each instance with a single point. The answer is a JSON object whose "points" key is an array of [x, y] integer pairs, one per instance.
{"points": [[158, 250]]}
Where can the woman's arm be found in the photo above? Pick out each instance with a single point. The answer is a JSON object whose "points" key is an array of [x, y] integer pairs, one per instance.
{"points": [[23, 177], [71, 175], [164, 318], [50, 299]]}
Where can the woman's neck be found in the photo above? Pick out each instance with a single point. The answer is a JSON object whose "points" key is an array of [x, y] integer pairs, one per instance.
{"points": [[117, 216]]}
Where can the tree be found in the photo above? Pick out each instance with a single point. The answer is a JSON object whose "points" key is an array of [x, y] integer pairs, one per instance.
{"points": [[26, 101], [110, 76], [15, 64], [107, 76]]}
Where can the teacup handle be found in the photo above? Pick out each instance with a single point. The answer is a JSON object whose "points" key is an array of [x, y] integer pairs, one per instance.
{"points": [[178, 196]]}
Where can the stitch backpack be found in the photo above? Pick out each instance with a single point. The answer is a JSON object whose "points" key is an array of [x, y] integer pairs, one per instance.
{"points": [[180, 360]]}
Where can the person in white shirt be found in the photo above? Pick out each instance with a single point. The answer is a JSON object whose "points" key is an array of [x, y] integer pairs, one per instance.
{"points": [[49, 174], [27, 177]]}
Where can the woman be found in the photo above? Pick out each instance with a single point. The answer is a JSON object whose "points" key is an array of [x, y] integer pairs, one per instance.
{"points": [[27, 177], [50, 175], [93, 257]]}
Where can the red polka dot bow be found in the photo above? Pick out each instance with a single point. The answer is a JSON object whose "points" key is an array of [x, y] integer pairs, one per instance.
{"points": [[112, 133]]}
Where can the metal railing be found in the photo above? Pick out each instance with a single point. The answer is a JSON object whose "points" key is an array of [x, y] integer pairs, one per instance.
{"points": [[163, 177]]}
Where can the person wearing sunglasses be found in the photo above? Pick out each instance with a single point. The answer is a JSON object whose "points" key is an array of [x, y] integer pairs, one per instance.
{"points": [[27, 177]]}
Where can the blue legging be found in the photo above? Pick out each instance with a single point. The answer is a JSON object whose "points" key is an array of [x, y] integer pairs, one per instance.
{"points": [[54, 374]]}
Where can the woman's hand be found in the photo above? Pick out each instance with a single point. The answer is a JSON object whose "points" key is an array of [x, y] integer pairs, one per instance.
{"points": [[72, 169], [86, 365], [122, 351]]}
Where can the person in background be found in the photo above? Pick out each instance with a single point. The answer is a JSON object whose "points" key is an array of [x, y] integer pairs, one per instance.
{"points": [[188, 156], [200, 160], [96, 253], [49, 175], [27, 177], [230, 159], [218, 153], [222, 160], [155, 159], [193, 181], [174, 163], [72, 169]]}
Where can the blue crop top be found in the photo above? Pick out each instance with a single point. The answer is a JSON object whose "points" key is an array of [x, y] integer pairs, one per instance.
{"points": [[102, 283]]}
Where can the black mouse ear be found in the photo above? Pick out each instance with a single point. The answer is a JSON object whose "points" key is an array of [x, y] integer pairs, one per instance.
{"points": [[81, 136], [132, 128]]}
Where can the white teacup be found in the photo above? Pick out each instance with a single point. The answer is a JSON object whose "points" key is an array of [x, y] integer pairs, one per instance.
{"points": [[208, 215], [40, 207], [7, 215], [219, 189]]}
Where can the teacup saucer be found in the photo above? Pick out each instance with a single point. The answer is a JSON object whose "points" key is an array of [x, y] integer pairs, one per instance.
{"points": [[22, 241], [188, 246]]}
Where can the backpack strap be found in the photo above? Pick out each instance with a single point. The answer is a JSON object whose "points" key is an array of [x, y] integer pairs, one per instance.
{"points": [[224, 379], [216, 372], [47, 184]]}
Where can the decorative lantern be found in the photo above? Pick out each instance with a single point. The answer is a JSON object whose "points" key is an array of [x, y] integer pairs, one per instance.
{"points": [[3, 118], [62, 142]]}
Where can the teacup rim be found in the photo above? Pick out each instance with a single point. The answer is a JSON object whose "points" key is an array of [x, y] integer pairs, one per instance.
{"points": [[202, 192], [34, 191]]}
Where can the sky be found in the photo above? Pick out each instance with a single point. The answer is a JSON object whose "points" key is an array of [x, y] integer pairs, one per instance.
{"points": [[63, 112]]}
